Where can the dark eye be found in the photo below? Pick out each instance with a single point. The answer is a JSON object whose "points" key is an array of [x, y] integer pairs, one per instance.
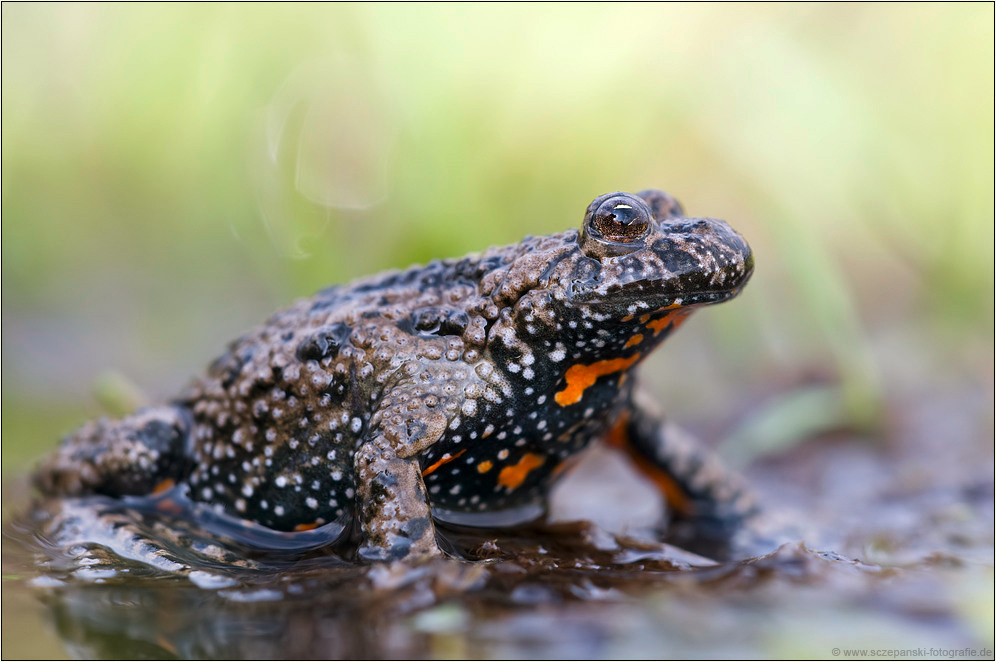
{"points": [[619, 217]]}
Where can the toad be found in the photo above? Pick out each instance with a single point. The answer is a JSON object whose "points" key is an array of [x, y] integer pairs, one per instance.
{"points": [[454, 392]]}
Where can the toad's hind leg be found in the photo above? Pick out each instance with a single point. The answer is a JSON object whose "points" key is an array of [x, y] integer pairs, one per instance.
{"points": [[131, 456], [711, 508]]}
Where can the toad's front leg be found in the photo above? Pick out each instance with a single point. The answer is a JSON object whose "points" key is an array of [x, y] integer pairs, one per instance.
{"points": [[395, 518], [712, 510]]}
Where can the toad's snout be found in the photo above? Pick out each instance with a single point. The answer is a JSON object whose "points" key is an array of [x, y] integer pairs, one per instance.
{"points": [[704, 259]]}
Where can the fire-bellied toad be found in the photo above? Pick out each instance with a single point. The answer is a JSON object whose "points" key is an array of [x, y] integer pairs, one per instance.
{"points": [[457, 391]]}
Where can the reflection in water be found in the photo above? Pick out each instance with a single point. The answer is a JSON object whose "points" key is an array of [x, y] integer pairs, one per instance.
{"points": [[126, 583], [162, 589], [166, 590], [173, 620]]}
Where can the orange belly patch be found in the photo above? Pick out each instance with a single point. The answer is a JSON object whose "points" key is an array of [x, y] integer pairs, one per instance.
{"points": [[579, 377], [512, 476]]}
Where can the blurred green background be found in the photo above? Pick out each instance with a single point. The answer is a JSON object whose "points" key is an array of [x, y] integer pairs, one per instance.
{"points": [[173, 174]]}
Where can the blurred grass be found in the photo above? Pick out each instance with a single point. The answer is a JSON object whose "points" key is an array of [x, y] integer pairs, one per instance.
{"points": [[171, 174]]}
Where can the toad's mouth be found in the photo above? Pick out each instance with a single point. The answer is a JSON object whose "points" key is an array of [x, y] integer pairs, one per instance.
{"points": [[651, 295], [706, 297]]}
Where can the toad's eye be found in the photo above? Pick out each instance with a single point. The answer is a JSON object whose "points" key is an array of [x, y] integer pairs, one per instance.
{"points": [[618, 218]]}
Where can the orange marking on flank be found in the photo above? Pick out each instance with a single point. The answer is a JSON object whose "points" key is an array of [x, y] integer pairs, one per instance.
{"points": [[635, 340], [644, 318], [162, 486], [579, 377], [307, 527], [484, 467], [441, 461], [512, 476]]}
